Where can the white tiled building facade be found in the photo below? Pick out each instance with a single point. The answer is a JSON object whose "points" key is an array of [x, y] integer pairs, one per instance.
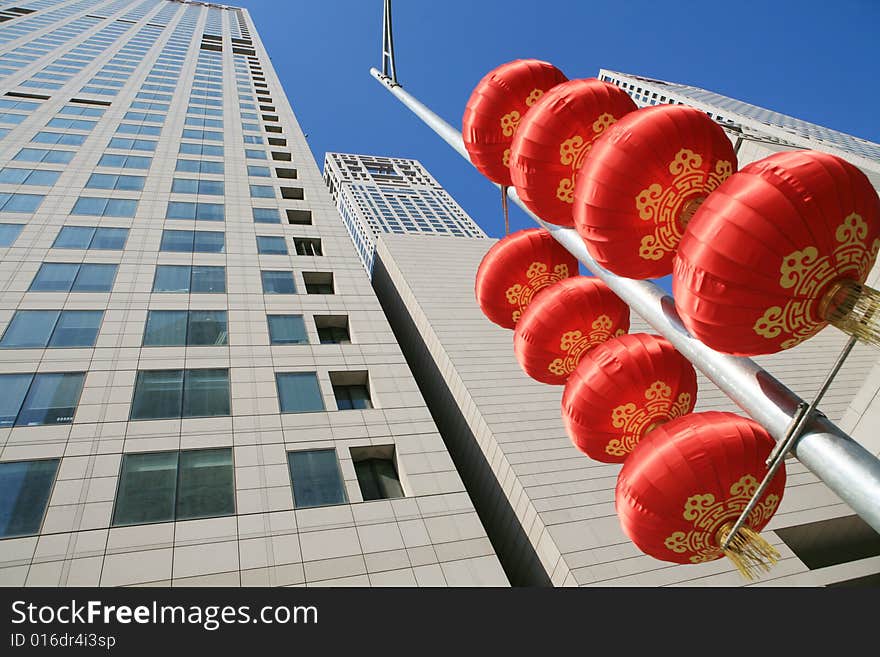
{"points": [[550, 510], [376, 195], [197, 383]]}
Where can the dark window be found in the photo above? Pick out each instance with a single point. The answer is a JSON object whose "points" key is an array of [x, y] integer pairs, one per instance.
{"points": [[317, 479], [307, 246], [333, 329], [318, 282], [351, 389], [24, 493], [299, 217], [376, 471], [831, 542]]}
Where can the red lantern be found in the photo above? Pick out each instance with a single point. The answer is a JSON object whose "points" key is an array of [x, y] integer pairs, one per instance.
{"points": [[563, 323], [495, 109], [779, 250], [555, 137], [515, 269], [623, 389], [643, 182], [680, 491]]}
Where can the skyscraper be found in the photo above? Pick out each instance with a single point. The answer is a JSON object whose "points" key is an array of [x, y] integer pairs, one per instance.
{"points": [[376, 195], [548, 509], [198, 385]]}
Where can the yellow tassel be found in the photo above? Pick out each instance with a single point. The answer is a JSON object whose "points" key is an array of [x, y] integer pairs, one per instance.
{"points": [[748, 551], [854, 309]]}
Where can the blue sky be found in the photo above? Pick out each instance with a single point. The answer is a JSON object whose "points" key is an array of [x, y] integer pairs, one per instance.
{"points": [[814, 60]]}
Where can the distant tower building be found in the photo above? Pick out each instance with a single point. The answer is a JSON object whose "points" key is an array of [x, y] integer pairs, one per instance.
{"points": [[378, 195], [750, 122]]}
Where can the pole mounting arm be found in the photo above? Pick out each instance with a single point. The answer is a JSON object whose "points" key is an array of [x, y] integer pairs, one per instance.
{"points": [[389, 70]]}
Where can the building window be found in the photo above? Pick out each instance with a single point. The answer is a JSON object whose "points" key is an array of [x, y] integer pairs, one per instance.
{"points": [[195, 279], [43, 155], [104, 207], [316, 477], [124, 161], [308, 246], [25, 487], [199, 166], [71, 277], [31, 329], [115, 181], [166, 486], [9, 233], [33, 399], [165, 394], [20, 202], [195, 211], [278, 282], [192, 241], [286, 329], [333, 329], [258, 172], [352, 390], [266, 216], [298, 392], [209, 150], [269, 245], [299, 217], [318, 282], [376, 470], [190, 186], [87, 237], [166, 328], [262, 191], [40, 177]]}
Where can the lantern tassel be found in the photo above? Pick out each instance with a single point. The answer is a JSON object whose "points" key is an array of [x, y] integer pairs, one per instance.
{"points": [[505, 208], [748, 551], [854, 309]]}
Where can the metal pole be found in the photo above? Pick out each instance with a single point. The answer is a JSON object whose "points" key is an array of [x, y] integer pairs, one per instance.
{"points": [[845, 466]]}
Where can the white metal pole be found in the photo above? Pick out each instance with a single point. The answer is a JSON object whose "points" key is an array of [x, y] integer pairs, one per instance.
{"points": [[844, 465]]}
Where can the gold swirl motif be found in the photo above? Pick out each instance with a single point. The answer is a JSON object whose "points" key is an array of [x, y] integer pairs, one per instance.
{"points": [[635, 421], [505, 158], [538, 277], [707, 515], [575, 344], [666, 206], [509, 123], [534, 96], [806, 274], [572, 153]]}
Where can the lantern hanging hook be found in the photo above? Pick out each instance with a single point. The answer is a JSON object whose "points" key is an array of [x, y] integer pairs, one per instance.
{"points": [[799, 420]]}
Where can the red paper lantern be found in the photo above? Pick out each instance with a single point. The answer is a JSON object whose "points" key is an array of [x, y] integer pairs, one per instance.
{"points": [[515, 269], [555, 137], [563, 323], [496, 108], [778, 251], [623, 389], [680, 491], [643, 182]]}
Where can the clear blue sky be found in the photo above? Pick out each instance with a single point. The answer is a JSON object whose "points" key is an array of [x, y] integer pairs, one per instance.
{"points": [[815, 60]]}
